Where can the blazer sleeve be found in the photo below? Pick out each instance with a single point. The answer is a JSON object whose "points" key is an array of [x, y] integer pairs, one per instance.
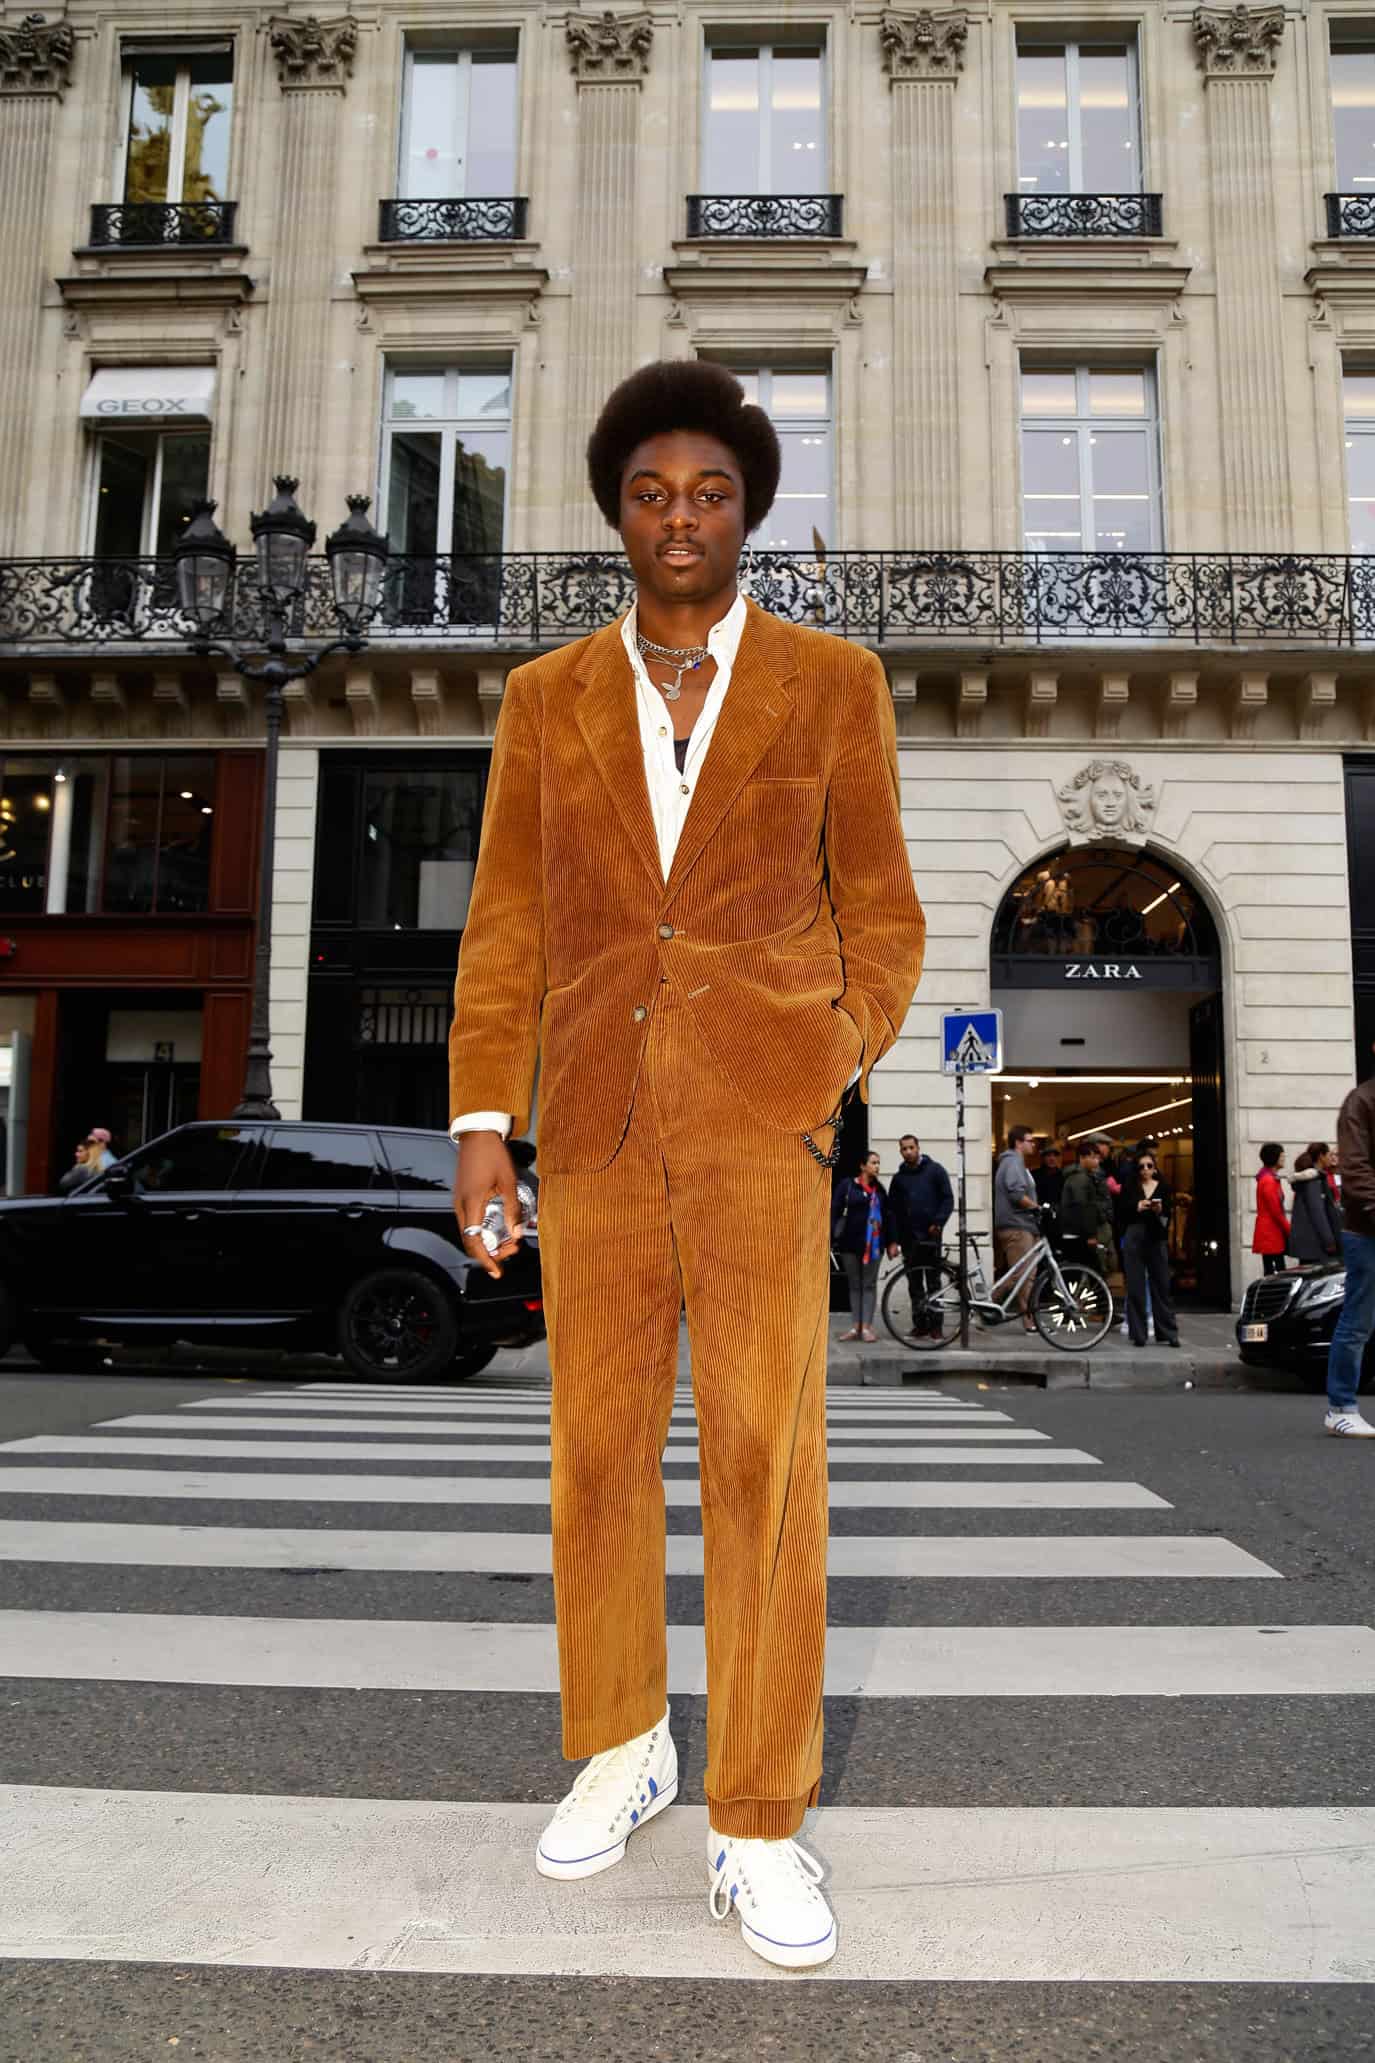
{"points": [[879, 918], [499, 992]]}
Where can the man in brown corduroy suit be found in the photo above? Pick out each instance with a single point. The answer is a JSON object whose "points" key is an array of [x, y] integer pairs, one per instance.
{"points": [[693, 901]]}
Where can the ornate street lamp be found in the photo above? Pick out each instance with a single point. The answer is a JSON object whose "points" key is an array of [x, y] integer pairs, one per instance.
{"points": [[205, 568]]}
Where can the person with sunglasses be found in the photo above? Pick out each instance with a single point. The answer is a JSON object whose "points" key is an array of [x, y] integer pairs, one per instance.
{"points": [[1143, 1222]]}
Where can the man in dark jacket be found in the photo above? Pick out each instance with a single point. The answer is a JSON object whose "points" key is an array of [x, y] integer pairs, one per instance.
{"points": [[922, 1201], [1356, 1146], [1081, 1208]]}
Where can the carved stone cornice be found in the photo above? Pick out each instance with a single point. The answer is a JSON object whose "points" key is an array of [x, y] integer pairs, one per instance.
{"points": [[926, 45], [36, 57], [311, 53], [609, 48], [1238, 42]]}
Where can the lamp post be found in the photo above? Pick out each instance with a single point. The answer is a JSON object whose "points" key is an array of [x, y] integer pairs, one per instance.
{"points": [[282, 537]]}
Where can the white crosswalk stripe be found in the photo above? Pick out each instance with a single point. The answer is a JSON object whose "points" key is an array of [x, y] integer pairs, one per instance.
{"points": [[998, 1893]]}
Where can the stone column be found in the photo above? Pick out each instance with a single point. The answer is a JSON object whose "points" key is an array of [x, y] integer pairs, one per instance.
{"points": [[610, 56], [924, 55], [1238, 49], [314, 59], [35, 67]]}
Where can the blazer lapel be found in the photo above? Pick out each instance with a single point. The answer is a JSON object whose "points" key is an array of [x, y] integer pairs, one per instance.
{"points": [[610, 724], [756, 707]]}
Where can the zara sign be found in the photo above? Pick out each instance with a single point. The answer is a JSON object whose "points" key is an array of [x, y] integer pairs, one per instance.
{"points": [[1101, 970]]}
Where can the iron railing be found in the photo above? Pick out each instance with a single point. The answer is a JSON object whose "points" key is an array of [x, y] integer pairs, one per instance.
{"points": [[1350, 214], [897, 598], [1083, 214], [453, 221], [765, 214], [162, 222]]}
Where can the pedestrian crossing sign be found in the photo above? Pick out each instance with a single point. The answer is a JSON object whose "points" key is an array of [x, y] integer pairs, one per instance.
{"points": [[972, 1041]]}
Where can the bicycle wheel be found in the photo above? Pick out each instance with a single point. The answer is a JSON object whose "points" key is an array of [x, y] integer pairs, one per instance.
{"points": [[923, 1323], [1076, 1317]]}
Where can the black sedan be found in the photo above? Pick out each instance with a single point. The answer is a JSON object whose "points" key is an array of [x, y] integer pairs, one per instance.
{"points": [[340, 1238], [1287, 1320]]}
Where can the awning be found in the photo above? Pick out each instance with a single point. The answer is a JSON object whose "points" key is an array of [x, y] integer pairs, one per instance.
{"points": [[131, 394]]}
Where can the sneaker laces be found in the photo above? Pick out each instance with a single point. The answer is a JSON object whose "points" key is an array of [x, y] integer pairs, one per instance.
{"points": [[764, 1868], [619, 1766]]}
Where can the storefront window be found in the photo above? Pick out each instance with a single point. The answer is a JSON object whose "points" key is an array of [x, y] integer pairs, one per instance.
{"points": [[130, 834]]}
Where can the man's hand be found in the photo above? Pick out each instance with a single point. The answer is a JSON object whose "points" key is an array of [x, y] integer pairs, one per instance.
{"points": [[485, 1170], [935, 1231]]}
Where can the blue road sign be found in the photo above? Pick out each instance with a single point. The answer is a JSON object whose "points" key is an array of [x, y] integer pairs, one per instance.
{"points": [[972, 1041]]}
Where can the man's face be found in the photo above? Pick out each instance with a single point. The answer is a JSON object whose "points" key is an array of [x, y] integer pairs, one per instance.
{"points": [[910, 1151], [1089, 1163], [1026, 1147], [683, 516]]}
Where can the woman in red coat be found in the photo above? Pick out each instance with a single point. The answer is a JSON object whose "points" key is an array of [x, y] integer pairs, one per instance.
{"points": [[1271, 1236]]}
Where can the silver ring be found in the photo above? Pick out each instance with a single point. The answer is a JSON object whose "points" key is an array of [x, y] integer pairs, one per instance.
{"points": [[469, 1229]]}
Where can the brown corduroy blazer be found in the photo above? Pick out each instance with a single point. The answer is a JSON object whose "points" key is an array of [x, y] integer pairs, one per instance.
{"points": [[789, 920]]}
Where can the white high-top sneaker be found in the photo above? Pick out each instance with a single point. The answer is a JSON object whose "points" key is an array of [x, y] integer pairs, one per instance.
{"points": [[617, 1792], [775, 1886]]}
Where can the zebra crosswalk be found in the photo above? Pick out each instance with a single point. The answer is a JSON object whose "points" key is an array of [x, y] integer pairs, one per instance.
{"points": [[110, 1524]]}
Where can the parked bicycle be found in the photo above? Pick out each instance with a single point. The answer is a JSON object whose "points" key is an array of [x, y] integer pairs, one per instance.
{"points": [[1070, 1303]]}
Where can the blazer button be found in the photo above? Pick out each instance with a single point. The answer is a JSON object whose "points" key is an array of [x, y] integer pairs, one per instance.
{"points": [[639, 1013], [665, 931]]}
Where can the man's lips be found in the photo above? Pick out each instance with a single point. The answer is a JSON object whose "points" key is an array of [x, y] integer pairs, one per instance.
{"points": [[679, 551]]}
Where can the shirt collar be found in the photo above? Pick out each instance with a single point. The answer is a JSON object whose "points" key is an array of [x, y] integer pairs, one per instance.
{"points": [[723, 639]]}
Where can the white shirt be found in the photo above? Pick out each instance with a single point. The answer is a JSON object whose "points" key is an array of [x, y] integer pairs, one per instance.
{"points": [[670, 792]]}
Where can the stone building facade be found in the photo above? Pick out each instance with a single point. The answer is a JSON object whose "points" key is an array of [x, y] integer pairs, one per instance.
{"points": [[1066, 313]]}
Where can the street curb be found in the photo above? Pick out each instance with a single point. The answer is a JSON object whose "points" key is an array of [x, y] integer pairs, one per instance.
{"points": [[893, 1369]]}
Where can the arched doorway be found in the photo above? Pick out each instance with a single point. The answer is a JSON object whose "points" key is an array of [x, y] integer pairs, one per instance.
{"points": [[1106, 966]]}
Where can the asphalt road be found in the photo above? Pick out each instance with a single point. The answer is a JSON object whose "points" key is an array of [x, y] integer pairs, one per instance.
{"points": [[1235, 1471]]}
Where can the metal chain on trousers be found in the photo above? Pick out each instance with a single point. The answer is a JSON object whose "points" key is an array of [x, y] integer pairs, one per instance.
{"points": [[827, 1160]]}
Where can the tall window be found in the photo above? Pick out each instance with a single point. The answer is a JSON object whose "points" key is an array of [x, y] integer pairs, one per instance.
{"points": [[174, 129], [1090, 475], [1353, 113], [458, 124], [1077, 124], [764, 119], [396, 844], [799, 406], [445, 458], [146, 483], [1358, 396]]}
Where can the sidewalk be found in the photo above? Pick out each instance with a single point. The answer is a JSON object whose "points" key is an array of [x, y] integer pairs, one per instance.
{"points": [[1208, 1358]]}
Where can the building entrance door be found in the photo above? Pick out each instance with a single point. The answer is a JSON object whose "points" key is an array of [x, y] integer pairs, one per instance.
{"points": [[1106, 967]]}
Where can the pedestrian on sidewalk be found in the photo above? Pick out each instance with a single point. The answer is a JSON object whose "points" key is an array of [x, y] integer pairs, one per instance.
{"points": [[863, 1229], [1143, 1221], [701, 958], [1346, 1354], [1109, 1188], [1271, 1237], [79, 1173], [1014, 1209], [1081, 1209], [1315, 1231], [922, 1201]]}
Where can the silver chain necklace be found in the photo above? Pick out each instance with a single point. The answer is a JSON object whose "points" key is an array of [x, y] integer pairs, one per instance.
{"points": [[682, 658]]}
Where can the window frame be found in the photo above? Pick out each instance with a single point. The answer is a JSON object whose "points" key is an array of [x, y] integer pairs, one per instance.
{"points": [[1353, 427], [1042, 39], [152, 500], [765, 373], [1083, 424], [464, 53], [446, 426], [741, 44], [1347, 35], [181, 54]]}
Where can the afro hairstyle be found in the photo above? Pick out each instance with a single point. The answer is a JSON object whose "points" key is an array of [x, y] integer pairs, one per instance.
{"points": [[684, 394]]}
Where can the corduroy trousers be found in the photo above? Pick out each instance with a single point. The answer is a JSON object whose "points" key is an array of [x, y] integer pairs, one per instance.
{"points": [[707, 1206]]}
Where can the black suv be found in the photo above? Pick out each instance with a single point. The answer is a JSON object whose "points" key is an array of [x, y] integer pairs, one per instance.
{"points": [[339, 1238], [1288, 1320]]}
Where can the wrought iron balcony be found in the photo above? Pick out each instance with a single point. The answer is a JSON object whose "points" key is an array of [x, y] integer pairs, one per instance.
{"points": [[453, 221], [1350, 214], [162, 222], [765, 214], [885, 598], [1083, 214]]}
